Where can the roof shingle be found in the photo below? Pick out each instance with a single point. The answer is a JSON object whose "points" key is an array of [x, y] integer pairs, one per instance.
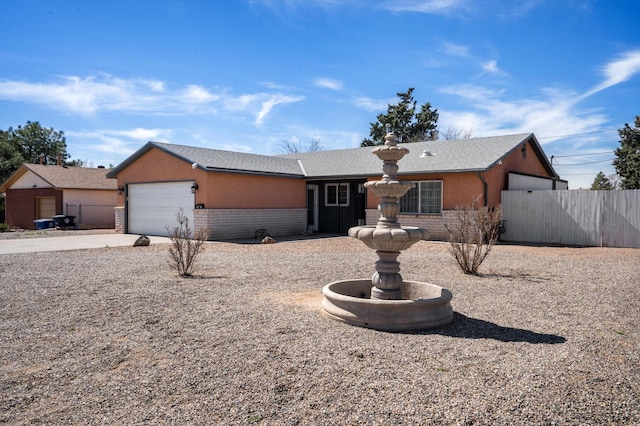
{"points": [[478, 154], [62, 177]]}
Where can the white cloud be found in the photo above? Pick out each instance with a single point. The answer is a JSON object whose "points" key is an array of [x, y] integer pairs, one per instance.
{"points": [[155, 85], [491, 66], [110, 146], [95, 94], [112, 140], [87, 95], [276, 86], [328, 83], [471, 92], [143, 134], [196, 94], [426, 6], [272, 101], [619, 71], [373, 105], [556, 113], [453, 49], [488, 66]]}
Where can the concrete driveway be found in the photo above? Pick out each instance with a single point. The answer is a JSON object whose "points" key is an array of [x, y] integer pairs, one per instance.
{"points": [[72, 242]]}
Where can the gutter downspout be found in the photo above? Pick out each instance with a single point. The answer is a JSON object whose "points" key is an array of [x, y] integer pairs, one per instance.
{"points": [[486, 189]]}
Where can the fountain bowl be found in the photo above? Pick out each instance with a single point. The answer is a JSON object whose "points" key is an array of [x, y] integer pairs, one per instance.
{"points": [[422, 306], [388, 239]]}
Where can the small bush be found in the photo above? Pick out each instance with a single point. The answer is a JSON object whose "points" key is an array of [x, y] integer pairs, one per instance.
{"points": [[474, 234], [4, 227], [185, 247]]}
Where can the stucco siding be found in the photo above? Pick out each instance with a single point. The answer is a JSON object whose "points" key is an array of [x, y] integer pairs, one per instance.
{"points": [[217, 189], [241, 191], [92, 208], [457, 189], [30, 180]]}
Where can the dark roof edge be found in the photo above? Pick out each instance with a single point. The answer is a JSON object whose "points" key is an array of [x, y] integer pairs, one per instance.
{"points": [[251, 172], [405, 173], [113, 174]]}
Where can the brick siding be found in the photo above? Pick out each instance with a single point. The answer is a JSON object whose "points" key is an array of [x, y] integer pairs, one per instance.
{"points": [[432, 223], [120, 225], [224, 224]]}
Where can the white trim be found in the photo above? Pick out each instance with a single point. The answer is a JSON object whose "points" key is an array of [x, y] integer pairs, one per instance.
{"points": [[337, 185]]}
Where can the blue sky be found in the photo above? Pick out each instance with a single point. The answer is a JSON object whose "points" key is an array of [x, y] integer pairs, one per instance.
{"points": [[247, 75]]}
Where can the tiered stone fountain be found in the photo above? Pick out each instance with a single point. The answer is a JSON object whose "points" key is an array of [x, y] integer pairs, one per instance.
{"points": [[387, 302]]}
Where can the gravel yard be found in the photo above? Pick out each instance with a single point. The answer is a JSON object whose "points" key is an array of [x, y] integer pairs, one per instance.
{"points": [[113, 336]]}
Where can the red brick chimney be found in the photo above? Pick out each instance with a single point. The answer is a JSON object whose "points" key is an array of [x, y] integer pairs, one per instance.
{"points": [[59, 163]]}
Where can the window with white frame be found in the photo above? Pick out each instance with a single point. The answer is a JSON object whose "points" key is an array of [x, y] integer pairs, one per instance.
{"points": [[336, 194], [425, 198]]}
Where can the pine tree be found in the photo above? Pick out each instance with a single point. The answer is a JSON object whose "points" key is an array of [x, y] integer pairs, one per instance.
{"points": [[627, 161], [602, 183], [405, 122]]}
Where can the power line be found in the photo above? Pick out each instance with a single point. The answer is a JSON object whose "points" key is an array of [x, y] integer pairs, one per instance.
{"points": [[587, 174], [581, 155], [577, 134], [582, 164]]}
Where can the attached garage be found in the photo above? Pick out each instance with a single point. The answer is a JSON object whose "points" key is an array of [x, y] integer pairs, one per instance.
{"points": [[152, 207]]}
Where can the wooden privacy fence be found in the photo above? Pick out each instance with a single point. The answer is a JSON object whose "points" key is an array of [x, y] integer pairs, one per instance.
{"points": [[573, 217]]}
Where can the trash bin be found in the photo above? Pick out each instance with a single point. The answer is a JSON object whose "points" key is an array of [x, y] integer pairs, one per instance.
{"points": [[63, 221], [44, 224]]}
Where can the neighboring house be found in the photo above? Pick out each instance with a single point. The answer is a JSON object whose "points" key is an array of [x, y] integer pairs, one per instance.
{"points": [[232, 194], [38, 191]]}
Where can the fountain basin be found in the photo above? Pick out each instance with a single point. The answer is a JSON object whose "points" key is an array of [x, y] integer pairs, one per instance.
{"points": [[423, 306], [390, 153], [383, 188]]}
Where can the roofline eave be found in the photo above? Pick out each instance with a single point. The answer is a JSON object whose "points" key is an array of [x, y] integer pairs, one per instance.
{"points": [[404, 173], [253, 172]]}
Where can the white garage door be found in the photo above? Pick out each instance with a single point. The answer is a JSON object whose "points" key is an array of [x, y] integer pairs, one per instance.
{"points": [[152, 207]]}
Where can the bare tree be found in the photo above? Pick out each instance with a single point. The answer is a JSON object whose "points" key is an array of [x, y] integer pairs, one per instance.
{"points": [[474, 234], [294, 147], [453, 133], [185, 247]]}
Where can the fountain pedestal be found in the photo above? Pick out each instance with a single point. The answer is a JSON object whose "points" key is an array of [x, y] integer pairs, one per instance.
{"points": [[386, 302]]}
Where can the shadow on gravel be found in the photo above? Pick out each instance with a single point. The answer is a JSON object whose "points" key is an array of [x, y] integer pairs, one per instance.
{"points": [[286, 238], [523, 276], [471, 328]]}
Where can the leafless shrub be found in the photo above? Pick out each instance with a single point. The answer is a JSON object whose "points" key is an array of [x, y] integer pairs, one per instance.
{"points": [[474, 234], [185, 246]]}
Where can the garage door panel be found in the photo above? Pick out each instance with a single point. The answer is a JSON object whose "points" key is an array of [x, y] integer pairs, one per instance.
{"points": [[152, 207]]}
